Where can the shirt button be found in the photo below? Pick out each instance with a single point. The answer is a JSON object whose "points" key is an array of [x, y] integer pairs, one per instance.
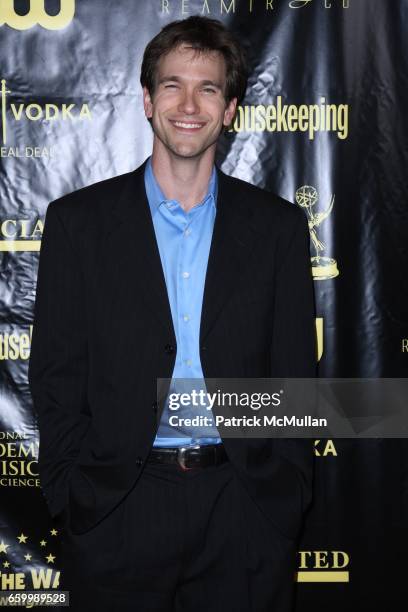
{"points": [[186, 275], [188, 362], [139, 461], [186, 318], [169, 349], [187, 232]]}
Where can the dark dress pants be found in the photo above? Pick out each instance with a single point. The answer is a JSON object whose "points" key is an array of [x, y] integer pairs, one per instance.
{"points": [[181, 541]]}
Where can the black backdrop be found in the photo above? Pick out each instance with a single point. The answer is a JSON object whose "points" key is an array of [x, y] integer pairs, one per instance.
{"points": [[323, 124]]}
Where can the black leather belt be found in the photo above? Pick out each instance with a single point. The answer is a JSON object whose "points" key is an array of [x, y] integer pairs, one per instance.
{"points": [[189, 457]]}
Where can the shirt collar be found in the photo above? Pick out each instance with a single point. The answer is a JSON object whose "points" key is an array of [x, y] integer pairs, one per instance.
{"points": [[156, 197]]}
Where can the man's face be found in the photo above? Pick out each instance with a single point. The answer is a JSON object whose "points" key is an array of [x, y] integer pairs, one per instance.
{"points": [[188, 107]]}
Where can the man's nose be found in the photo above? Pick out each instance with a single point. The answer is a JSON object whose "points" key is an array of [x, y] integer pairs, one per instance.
{"points": [[189, 103]]}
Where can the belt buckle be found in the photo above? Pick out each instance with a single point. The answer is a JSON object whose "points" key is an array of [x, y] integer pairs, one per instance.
{"points": [[181, 456]]}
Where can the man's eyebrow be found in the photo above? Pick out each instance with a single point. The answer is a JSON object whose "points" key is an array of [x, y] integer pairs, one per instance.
{"points": [[166, 79], [212, 83], [169, 78]]}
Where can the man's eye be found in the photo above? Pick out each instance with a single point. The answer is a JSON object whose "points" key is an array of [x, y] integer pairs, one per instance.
{"points": [[208, 90], [170, 85]]}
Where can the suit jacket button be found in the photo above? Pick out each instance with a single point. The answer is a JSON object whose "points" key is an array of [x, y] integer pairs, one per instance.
{"points": [[155, 407], [139, 461], [169, 348], [203, 348]]}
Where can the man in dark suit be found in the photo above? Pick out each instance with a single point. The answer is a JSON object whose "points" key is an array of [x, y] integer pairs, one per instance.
{"points": [[173, 270]]}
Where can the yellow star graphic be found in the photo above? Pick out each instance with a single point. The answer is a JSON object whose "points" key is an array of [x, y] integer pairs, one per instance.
{"points": [[22, 538], [3, 547], [43, 543], [27, 557], [53, 532], [50, 558], [6, 564]]}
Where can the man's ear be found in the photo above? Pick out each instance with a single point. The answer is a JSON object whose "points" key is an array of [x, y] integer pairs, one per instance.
{"points": [[147, 103], [229, 112]]}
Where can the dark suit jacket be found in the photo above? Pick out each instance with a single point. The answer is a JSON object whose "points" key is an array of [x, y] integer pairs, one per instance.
{"points": [[103, 334]]}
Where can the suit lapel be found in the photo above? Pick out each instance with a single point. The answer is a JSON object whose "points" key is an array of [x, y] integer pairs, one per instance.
{"points": [[139, 266], [231, 244], [134, 238]]}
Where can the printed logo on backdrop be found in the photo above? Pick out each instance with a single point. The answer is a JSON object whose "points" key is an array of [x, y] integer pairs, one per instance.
{"points": [[29, 551], [324, 448], [18, 459], [21, 234], [14, 344], [319, 337], [323, 267], [227, 7], [14, 112], [323, 566], [37, 15], [281, 117]]}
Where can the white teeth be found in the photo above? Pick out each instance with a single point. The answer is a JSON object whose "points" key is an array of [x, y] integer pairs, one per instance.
{"points": [[187, 125]]}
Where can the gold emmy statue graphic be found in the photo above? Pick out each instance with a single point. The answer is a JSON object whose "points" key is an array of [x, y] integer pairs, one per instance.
{"points": [[323, 268]]}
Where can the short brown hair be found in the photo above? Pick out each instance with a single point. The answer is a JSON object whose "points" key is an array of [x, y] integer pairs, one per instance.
{"points": [[204, 35]]}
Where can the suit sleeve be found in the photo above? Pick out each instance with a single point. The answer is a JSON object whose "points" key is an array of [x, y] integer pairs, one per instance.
{"points": [[294, 337], [293, 351], [58, 367]]}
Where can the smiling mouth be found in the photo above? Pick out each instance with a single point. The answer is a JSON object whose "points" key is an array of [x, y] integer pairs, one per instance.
{"points": [[187, 126]]}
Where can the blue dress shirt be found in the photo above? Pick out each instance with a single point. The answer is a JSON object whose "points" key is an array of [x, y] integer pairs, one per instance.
{"points": [[184, 240]]}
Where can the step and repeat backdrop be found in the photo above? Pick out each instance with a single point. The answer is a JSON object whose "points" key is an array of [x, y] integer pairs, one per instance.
{"points": [[323, 125]]}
